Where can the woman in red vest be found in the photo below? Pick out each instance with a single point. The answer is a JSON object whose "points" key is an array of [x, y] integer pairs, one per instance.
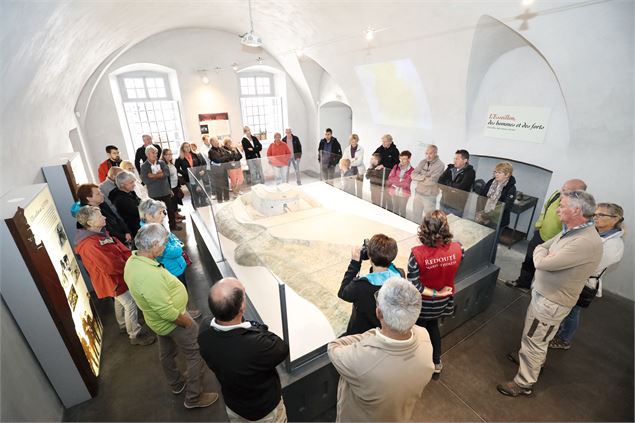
{"points": [[431, 268]]}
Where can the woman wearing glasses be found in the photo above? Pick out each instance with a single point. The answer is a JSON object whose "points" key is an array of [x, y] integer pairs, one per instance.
{"points": [[608, 219], [173, 257]]}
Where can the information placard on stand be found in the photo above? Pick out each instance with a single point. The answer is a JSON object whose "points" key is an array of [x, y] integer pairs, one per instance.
{"points": [[46, 293]]}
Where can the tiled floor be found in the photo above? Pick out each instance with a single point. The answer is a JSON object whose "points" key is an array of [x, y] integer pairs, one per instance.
{"points": [[593, 381]]}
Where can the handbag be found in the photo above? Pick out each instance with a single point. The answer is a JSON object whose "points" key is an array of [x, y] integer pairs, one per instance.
{"points": [[186, 256], [588, 294]]}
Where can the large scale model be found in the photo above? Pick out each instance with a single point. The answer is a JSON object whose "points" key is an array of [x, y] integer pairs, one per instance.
{"points": [[306, 243]]}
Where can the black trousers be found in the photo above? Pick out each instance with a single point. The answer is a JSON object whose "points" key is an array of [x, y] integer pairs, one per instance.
{"points": [[432, 327], [170, 207], [527, 270]]}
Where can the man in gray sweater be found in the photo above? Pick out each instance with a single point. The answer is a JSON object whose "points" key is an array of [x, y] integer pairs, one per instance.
{"points": [[156, 177], [426, 174], [563, 264]]}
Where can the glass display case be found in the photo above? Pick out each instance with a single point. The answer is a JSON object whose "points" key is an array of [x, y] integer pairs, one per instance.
{"points": [[290, 244]]}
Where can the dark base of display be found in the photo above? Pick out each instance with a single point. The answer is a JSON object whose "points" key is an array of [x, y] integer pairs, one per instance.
{"points": [[509, 237]]}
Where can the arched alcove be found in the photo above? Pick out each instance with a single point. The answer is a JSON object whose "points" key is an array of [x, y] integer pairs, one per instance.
{"points": [[339, 117]]}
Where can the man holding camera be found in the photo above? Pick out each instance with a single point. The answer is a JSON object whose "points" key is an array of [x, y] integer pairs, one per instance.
{"points": [[243, 355], [381, 250]]}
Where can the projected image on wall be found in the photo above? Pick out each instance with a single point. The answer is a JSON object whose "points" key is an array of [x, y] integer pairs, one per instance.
{"points": [[395, 94]]}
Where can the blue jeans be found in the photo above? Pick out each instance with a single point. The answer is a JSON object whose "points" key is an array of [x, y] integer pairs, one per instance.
{"points": [[569, 325]]}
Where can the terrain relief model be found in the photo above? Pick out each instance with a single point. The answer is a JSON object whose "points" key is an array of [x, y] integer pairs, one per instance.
{"points": [[308, 246]]}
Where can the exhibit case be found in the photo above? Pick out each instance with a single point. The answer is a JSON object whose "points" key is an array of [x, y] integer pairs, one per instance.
{"points": [[291, 244], [47, 295]]}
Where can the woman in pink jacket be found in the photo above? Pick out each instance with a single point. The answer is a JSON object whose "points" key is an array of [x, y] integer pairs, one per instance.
{"points": [[399, 183]]}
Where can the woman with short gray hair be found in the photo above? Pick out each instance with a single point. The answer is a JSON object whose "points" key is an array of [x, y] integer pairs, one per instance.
{"points": [[151, 239], [173, 258], [126, 200]]}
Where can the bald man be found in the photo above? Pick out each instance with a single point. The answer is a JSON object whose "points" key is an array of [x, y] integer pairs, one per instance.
{"points": [[243, 355], [548, 225]]}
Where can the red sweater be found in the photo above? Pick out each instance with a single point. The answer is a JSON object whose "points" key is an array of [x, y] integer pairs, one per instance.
{"points": [[104, 257], [279, 154], [438, 265], [394, 182]]}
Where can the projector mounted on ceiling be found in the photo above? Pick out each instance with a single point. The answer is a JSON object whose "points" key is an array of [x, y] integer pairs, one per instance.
{"points": [[250, 39]]}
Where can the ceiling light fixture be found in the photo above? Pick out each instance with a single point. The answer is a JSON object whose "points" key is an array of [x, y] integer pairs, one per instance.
{"points": [[260, 60], [369, 34], [528, 3], [205, 80], [299, 52], [235, 66], [250, 39]]}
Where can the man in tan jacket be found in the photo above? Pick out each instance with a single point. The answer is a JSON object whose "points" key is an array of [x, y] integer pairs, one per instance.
{"points": [[426, 174], [563, 265], [384, 371]]}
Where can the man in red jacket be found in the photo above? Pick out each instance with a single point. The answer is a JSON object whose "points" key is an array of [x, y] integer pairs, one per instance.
{"points": [[105, 257], [113, 160]]}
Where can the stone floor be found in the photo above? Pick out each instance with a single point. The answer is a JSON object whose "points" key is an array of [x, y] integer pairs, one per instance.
{"points": [[593, 381]]}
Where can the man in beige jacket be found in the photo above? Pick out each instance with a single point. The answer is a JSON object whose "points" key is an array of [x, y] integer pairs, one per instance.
{"points": [[426, 174], [384, 371], [563, 265]]}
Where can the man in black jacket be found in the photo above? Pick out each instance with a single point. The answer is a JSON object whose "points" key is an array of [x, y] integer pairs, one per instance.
{"points": [[389, 154], [455, 183], [329, 155], [243, 355], [293, 142], [140, 156], [252, 149]]}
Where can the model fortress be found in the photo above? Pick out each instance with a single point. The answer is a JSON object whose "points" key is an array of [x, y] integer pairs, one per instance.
{"points": [[307, 246]]}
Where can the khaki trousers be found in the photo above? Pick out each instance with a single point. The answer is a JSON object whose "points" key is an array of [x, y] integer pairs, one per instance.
{"points": [[541, 325], [277, 415]]}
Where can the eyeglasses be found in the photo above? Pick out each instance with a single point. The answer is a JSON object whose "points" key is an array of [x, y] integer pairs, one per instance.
{"points": [[376, 294], [165, 213], [603, 215]]}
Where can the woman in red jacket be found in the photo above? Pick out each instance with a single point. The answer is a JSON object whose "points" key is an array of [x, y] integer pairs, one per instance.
{"points": [[105, 257], [399, 183], [431, 268]]}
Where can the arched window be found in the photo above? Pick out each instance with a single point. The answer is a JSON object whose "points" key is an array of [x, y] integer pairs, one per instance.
{"points": [[150, 106], [260, 103]]}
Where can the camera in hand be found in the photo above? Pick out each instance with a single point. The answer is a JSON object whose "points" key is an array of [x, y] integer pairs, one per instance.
{"points": [[363, 252]]}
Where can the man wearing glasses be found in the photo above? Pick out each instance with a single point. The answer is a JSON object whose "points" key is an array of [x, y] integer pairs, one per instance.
{"points": [[563, 265], [548, 225]]}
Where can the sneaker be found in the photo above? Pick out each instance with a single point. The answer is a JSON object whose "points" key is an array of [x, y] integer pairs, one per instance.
{"points": [[559, 344], [516, 284], [178, 388], [194, 314], [143, 340], [511, 389], [438, 367], [204, 400]]}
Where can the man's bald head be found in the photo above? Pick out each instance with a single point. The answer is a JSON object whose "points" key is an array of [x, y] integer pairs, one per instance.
{"points": [[573, 185], [227, 299]]}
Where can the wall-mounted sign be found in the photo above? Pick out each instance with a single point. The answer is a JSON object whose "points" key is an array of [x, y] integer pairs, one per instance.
{"points": [[216, 124], [517, 123]]}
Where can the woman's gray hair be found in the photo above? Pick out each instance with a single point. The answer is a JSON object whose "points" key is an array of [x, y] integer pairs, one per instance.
{"points": [[400, 304], [151, 148], [582, 200], [150, 207], [124, 177], [149, 236], [87, 213]]}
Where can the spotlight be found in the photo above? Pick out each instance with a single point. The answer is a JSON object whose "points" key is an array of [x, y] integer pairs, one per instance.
{"points": [[528, 3], [260, 60], [205, 79], [235, 66], [300, 53], [369, 34]]}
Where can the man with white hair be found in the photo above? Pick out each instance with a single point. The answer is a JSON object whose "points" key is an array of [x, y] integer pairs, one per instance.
{"points": [[163, 300], [155, 174], [426, 174], [563, 265], [140, 155], [384, 371]]}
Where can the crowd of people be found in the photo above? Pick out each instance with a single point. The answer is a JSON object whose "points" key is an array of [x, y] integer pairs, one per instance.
{"points": [[392, 345]]}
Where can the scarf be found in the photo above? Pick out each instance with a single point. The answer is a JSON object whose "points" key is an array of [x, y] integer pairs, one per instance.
{"points": [[494, 194]]}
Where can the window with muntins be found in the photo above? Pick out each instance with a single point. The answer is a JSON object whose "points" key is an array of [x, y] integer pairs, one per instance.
{"points": [[259, 105], [150, 109]]}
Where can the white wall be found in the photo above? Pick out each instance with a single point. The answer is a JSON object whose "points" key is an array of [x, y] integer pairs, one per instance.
{"points": [[27, 394], [338, 117], [185, 51]]}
